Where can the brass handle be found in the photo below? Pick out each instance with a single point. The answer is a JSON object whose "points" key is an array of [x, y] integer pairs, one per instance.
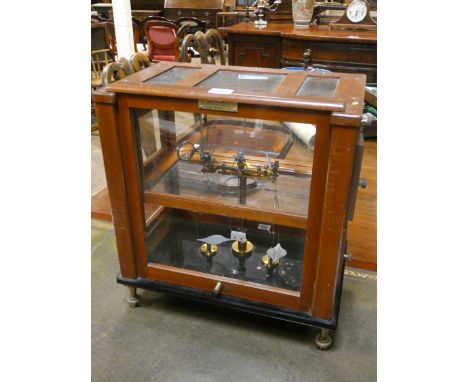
{"points": [[217, 288]]}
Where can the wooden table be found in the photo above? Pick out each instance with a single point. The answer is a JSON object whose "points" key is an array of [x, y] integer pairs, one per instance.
{"points": [[279, 45]]}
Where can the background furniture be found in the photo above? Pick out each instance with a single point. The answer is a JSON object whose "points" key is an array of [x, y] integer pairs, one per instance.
{"points": [[204, 10], [163, 43], [281, 45], [111, 34], [101, 38]]}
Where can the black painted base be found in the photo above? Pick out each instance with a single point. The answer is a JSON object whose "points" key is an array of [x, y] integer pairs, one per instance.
{"points": [[237, 303]]}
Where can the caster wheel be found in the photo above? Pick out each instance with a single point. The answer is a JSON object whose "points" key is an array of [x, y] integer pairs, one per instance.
{"points": [[323, 340], [133, 299]]}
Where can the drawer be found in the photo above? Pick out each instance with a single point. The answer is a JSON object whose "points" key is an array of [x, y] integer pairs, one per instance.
{"points": [[245, 50], [332, 52]]}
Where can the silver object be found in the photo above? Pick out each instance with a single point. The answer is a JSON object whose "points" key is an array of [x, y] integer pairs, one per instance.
{"points": [[277, 252], [214, 239]]}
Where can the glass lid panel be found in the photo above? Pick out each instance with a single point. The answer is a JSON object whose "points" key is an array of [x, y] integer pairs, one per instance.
{"points": [[171, 76], [318, 87], [253, 82]]}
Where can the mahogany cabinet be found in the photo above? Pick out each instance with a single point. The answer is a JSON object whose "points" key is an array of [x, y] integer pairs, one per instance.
{"points": [[280, 45], [204, 10], [234, 185]]}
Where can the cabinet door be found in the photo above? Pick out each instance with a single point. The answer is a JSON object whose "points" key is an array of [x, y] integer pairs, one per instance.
{"points": [[264, 52]]}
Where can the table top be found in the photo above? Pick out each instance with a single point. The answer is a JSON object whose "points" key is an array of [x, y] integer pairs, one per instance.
{"points": [[335, 92], [314, 32]]}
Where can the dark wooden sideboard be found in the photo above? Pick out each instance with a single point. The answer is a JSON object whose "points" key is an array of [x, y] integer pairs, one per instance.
{"points": [[205, 10], [280, 45]]}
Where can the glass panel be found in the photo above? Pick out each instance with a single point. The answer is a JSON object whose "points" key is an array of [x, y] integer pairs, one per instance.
{"points": [[318, 86], [230, 161], [171, 76], [191, 161], [254, 82], [177, 239]]}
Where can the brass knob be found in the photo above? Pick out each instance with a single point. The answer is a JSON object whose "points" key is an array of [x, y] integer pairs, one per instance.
{"points": [[217, 288]]}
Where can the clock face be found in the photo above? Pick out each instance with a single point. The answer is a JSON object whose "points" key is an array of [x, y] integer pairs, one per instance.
{"points": [[356, 11]]}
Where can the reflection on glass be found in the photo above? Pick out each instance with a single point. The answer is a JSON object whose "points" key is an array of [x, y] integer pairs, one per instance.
{"points": [[229, 161], [171, 76], [318, 86], [178, 237], [254, 82]]}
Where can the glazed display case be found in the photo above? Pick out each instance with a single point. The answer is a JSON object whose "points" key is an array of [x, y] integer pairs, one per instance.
{"points": [[234, 185]]}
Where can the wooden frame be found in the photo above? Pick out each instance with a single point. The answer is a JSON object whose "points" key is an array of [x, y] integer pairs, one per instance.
{"points": [[338, 120]]}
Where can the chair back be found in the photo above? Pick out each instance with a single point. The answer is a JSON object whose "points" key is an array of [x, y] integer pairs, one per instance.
{"points": [[198, 41], [163, 43], [216, 43], [194, 24], [113, 41], [101, 37], [113, 71], [99, 59], [206, 45], [139, 61]]}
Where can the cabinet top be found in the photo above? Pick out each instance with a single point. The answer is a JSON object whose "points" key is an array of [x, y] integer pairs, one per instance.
{"points": [[332, 92], [314, 32], [200, 4]]}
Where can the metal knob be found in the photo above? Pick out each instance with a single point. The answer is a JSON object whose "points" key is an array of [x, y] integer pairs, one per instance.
{"points": [[362, 182], [348, 256], [217, 288], [307, 59]]}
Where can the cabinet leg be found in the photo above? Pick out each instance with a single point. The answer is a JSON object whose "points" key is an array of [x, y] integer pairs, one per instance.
{"points": [[323, 340], [133, 299]]}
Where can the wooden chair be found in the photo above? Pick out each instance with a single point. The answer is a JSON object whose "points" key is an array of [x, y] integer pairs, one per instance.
{"points": [[206, 44], [194, 24], [97, 19], [113, 71], [197, 41], [113, 41], [101, 38], [163, 43], [216, 46], [142, 27], [128, 67], [99, 59], [139, 61], [203, 43]]}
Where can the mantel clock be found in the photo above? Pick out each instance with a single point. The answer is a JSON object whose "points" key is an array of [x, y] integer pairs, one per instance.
{"points": [[356, 16]]}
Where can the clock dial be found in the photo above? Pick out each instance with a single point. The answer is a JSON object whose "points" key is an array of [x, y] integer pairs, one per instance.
{"points": [[356, 11]]}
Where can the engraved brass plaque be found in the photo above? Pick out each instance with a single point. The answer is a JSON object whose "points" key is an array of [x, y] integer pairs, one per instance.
{"points": [[218, 105]]}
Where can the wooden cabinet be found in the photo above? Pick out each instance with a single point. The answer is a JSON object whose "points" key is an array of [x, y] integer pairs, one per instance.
{"points": [[217, 196], [282, 45], [265, 53], [204, 10]]}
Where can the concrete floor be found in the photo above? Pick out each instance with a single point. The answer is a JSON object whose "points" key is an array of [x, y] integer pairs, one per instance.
{"points": [[172, 339]]}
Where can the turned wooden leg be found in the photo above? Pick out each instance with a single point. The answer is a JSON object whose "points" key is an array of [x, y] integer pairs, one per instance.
{"points": [[133, 299], [323, 340]]}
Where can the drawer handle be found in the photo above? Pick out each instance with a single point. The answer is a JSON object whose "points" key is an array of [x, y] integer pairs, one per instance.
{"points": [[217, 288]]}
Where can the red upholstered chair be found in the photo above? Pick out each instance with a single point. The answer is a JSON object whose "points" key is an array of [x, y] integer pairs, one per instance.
{"points": [[163, 43]]}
